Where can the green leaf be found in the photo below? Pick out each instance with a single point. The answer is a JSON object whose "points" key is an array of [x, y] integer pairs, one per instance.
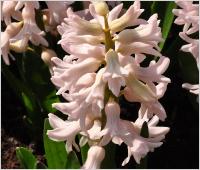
{"points": [[26, 158], [167, 22], [164, 10], [84, 151], [55, 152], [24, 93], [16, 84], [72, 161], [37, 77], [48, 100], [27, 102]]}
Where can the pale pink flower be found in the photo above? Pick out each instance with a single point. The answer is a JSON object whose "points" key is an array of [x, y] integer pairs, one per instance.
{"points": [[21, 4], [95, 156], [65, 130], [192, 88], [114, 128], [11, 30], [57, 11], [30, 28], [188, 16], [82, 51], [152, 73], [63, 72], [129, 18], [149, 33], [192, 47], [91, 31], [92, 135], [142, 39], [88, 101], [101, 57], [153, 129], [81, 26], [120, 131], [114, 73], [8, 12], [151, 108], [149, 75], [140, 146]]}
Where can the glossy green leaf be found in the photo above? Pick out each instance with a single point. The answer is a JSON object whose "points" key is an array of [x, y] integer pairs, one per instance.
{"points": [[18, 86], [37, 76], [24, 93], [27, 102], [84, 151], [48, 100], [26, 158], [55, 152], [164, 11], [72, 161], [167, 22]]}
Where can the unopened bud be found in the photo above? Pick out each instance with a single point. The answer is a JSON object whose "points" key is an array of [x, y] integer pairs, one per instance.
{"points": [[46, 56], [20, 45], [13, 28], [101, 8]]}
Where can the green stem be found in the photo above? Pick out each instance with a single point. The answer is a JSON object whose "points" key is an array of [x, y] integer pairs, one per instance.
{"points": [[108, 38]]}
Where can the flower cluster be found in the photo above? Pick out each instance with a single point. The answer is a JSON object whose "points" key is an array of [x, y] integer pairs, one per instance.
{"points": [[188, 16], [106, 51], [24, 27]]}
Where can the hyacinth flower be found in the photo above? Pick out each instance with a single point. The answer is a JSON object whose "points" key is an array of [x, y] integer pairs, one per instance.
{"points": [[17, 39], [54, 14], [8, 12], [11, 30], [104, 62], [188, 16], [96, 155], [30, 29]]}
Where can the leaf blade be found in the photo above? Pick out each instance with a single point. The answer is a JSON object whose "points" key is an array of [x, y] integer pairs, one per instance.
{"points": [[26, 158], [55, 152]]}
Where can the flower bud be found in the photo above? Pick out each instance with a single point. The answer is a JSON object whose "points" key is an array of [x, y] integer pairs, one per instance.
{"points": [[101, 8], [20, 45], [46, 56], [13, 28]]}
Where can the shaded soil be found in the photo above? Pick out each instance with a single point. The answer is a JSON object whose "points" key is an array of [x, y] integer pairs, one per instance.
{"points": [[8, 154]]}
